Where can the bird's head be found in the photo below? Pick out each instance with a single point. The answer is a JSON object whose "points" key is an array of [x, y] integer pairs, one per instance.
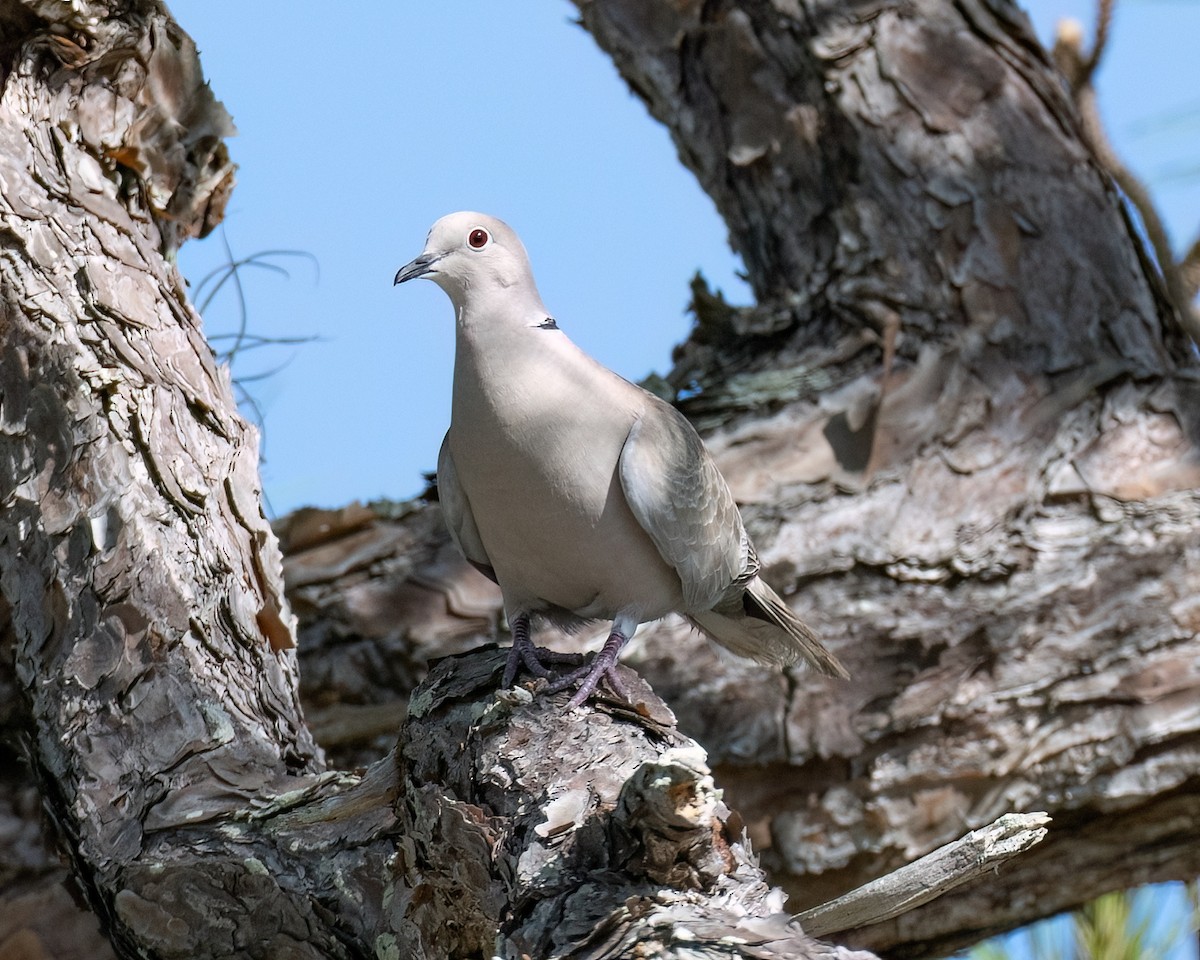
{"points": [[473, 255]]}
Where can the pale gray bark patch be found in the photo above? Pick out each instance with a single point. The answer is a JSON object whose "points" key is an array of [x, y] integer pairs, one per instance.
{"points": [[980, 852]]}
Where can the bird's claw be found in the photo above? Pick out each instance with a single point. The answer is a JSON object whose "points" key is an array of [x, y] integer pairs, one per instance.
{"points": [[602, 667], [523, 653], [588, 677]]}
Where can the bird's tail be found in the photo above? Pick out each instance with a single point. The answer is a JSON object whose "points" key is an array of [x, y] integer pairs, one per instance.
{"points": [[764, 628]]}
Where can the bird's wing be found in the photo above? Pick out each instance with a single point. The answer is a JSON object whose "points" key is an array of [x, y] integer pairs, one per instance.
{"points": [[457, 511], [681, 500]]}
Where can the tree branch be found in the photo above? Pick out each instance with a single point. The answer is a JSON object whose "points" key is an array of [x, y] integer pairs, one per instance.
{"points": [[624, 849], [979, 852]]}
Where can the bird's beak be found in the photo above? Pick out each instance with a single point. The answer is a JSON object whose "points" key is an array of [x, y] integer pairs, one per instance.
{"points": [[422, 266]]}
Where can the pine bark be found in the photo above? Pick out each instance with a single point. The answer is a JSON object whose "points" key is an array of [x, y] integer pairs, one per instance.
{"points": [[961, 421]]}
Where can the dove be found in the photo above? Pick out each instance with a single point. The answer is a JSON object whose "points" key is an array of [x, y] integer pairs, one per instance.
{"points": [[582, 495]]}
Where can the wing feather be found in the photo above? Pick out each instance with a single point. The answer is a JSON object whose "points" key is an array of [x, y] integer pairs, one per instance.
{"points": [[681, 500]]}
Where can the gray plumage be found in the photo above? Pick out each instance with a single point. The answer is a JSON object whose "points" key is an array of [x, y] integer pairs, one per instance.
{"points": [[584, 496]]}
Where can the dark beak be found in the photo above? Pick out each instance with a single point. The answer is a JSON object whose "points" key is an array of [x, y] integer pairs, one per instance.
{"points": [[422, 266]]}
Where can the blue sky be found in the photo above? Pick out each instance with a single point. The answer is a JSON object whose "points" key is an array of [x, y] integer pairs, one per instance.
{"points": [[355, 136]]}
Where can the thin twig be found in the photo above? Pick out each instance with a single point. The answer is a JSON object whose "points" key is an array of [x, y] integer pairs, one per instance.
{"points": [[1104, 15], [255, 343], [254, 377], [242, 339], [254, 260], [1079, 68], [254, 339]]}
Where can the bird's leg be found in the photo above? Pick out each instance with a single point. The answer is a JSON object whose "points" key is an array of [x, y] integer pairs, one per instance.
{"points": [[521, 652], [602, 667], [524, 653]]}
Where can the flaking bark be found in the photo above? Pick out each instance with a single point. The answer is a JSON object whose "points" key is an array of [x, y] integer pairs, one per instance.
{"points": [[981, 474]]}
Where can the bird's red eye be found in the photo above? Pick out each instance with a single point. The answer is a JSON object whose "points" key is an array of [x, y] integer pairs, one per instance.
{"points": [[478, 238]]}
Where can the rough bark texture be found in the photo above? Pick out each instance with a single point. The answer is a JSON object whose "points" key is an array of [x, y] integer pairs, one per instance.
{"points": [[142, 579], [961, 422], [614, 844]]}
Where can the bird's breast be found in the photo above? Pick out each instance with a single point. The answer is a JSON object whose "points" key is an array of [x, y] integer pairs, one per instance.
{"points": [[537, 456]]}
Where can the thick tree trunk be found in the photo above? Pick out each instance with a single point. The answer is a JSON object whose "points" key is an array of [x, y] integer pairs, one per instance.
{"points": [[142, 579], [959, 418]]}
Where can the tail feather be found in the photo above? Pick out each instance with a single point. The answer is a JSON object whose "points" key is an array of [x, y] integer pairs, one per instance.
{"points": [[765, 629]]}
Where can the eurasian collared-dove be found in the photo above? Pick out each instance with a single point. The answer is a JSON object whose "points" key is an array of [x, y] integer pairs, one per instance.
{"points": [[583, 496]]}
